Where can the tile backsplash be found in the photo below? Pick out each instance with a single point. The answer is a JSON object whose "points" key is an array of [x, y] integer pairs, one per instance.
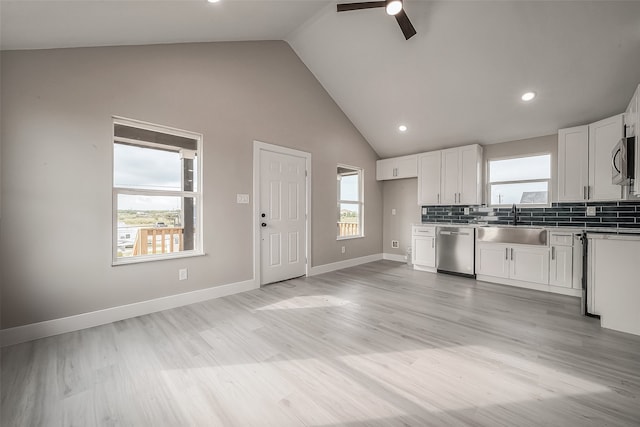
{"points": [[623, 214]]}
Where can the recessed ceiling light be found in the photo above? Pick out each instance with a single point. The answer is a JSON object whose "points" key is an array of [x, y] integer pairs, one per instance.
{"points": [[528, 96], [213, 1], [402, 128]]}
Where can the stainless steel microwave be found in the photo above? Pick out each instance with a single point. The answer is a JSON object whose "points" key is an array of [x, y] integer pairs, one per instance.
{"points": [[622, 161]]}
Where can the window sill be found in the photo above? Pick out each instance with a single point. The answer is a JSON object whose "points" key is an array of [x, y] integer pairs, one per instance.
{"points": [[151, 258], [349, 237]]}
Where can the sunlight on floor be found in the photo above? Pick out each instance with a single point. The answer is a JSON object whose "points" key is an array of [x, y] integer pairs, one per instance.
{"points": [[308, 301], [366, 387]]}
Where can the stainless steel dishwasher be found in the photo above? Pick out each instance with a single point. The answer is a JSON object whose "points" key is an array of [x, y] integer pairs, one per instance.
{"points": [[456, 250]]}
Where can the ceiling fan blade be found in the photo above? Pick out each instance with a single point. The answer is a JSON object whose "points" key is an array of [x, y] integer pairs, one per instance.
{"points": [[405, 25], [363, 5]]}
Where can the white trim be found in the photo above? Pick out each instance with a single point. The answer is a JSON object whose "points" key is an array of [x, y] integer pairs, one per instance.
{"points": [[326, 268], [257, 147], [49, 328], [530, 285], [395, 257]]}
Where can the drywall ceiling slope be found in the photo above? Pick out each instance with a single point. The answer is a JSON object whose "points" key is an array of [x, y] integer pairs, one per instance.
{"points": [[459, 80], [27, 24]]}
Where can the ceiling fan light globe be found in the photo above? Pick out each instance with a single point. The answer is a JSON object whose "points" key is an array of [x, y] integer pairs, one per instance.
{"points": [[393, 7]]}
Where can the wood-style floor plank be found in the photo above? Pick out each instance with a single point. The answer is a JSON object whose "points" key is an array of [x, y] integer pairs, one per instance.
{"points": [[373, 345]]}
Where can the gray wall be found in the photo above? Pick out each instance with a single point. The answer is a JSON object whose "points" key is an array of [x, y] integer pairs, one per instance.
{"points": [[401, 195], [55, 232]]}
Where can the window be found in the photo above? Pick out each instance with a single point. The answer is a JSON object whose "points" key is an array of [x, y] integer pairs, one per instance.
{"points": [[156, 192], [520, 180], [350, 205]]}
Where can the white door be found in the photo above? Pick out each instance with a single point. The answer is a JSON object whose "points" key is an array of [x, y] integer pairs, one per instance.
{"points": [[282, 216]]}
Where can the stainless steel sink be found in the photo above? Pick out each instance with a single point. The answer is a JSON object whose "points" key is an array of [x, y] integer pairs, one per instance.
{"points": [[515, 235]]}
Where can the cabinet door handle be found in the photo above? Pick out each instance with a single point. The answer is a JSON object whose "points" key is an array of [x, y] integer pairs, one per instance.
{"points": [[506, 253], [395, 171], [553, 252], [584, 192], [438, 197], [511, 254]]}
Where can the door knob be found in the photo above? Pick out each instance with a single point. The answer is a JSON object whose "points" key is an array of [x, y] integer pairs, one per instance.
{"points": [[264, 224]]}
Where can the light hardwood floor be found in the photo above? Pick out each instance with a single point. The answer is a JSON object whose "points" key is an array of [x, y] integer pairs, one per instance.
{"points": [[374, 345]]}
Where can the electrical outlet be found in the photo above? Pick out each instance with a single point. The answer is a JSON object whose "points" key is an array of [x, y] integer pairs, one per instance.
{"points": [[424, 211], [591, 211], [344, 249], [182, 274], [393, 211], [395, 244], [466, 211]]}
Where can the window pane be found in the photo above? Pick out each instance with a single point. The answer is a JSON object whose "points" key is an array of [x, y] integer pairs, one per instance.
{"points": [[155, 225], [349, 187], [147, 168], [522, 168], [349, 221], [520, 193]]}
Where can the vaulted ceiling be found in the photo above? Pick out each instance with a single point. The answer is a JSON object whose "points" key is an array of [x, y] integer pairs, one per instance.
{"points": [[458, 81]]}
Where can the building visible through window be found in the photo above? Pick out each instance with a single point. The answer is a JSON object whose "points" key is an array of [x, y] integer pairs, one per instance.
{"points": [[156, 192], [350, 203], [520, 180]]}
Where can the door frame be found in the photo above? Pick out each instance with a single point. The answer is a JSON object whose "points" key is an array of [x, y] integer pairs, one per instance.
{"points": [[259, 146]]}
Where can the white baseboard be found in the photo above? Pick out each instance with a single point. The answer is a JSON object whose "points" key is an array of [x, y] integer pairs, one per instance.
{"points": [[49, 328], [395, 257], [326, 268]]}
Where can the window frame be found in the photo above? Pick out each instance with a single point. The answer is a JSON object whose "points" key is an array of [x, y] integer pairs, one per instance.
{"points": [[520, 181], [195, 194], [360, 203]]}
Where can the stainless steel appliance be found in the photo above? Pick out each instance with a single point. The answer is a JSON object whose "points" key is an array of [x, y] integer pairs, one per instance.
{"points": [[622, 161], [456, 250]]}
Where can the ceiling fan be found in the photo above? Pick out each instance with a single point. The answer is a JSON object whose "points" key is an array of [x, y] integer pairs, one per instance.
{"points": [[393, 7]]}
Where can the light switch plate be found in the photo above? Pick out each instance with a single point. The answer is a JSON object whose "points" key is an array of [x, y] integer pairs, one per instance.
{"points": [[424, 211], [242, 198], [393, 211], [591, 211]]}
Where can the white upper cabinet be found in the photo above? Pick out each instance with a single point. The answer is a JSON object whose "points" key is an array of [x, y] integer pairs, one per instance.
{"points": [[397, 168], [584, 161], [573, 163], [459, 179], [603, 136], [470, 175], [429, 178], [632, 122]]}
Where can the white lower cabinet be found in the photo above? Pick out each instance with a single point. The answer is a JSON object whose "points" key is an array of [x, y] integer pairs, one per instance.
{"points": [[516, 262], [561, 266], [492, 259], [423, 247], [529, 264]]}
